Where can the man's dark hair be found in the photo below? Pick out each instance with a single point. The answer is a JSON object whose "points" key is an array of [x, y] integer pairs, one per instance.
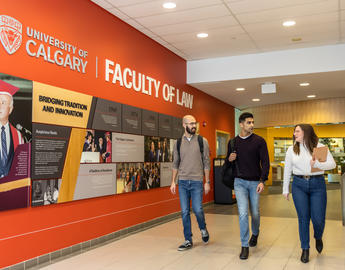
{"points": [[244, 116]]}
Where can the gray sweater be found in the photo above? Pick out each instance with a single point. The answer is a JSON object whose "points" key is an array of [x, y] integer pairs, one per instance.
{"points": [[191, 166]]}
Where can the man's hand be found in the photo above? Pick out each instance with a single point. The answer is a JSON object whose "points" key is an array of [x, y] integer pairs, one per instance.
{"points": [[207, 187], [260, 188], [232, 157], [286, 195], [173, 188]]}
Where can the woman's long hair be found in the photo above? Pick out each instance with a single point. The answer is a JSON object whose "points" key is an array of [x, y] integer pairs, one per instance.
{"points": [[310, 139]]}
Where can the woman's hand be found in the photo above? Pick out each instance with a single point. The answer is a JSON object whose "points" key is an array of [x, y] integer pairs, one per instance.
{"points": [[286, 195]]}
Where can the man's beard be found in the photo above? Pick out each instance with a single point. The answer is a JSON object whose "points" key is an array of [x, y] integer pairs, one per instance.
{"points": [[191, 131]]}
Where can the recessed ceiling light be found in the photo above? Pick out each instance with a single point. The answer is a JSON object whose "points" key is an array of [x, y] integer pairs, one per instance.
{"points": [[202, 35], [256, 99], [169, 5], [304, 84], [240, 89], [311, 96], [289, 23]]}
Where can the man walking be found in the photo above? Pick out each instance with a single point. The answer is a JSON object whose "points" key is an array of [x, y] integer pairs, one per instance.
{"points": [[191, 162], [251, 156]]}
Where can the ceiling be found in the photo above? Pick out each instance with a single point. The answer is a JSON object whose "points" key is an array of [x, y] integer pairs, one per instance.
{"points": [[287, 87], [237, 27]]}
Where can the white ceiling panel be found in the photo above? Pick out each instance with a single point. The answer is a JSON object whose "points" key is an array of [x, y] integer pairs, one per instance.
{"points": [[119, 3], [342, 31], [256, 27], [160, 41], [176, 51], [195, 26], [318, 20], [103, 3], [249, 6], [310, 41], [214, 34], [297, 45], [118, 14], [287, 89], [241, 41], [301, 32], [218, 52], [289, 12], [134, 23], [342, 15], [342, 4], [184, 16], [156, 7], [147, 32]]}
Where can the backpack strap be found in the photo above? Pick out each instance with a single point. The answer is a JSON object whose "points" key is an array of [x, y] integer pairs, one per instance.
{"points": [[201, 147], [178, 145], [232, 144]]}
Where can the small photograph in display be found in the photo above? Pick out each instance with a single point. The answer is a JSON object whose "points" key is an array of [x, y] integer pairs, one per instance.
{"points": [[45, 192], [152, 174], [137, 176], [89, 144], [103, 146], [97, 147], [157, 149], [128, 176]]}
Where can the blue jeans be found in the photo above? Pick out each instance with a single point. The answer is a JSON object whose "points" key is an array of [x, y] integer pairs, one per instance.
{"points": [[191, 190], [245, 192], [310, 199]]}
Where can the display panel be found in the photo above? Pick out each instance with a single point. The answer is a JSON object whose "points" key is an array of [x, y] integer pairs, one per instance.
{"points": [[137, 176], [157, 149], [15, 145], [49, 149], [149, 123], [95, 180], [165, 124], [45, 192], [127, 148], [107, 115], [131, 119]]}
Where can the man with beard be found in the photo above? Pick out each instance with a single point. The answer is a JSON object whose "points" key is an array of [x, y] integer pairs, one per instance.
{"points": [[191, 162], [250, 155]]}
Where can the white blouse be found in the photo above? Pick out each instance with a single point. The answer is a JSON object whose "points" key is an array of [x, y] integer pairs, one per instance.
{"points": [[300, 164]]}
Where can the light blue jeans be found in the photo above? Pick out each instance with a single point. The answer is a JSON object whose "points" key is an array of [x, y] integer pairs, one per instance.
{"points": [[191, 190], [245, 192]]}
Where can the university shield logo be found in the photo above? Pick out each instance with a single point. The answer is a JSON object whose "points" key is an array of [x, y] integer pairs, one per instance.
{"points": [[10, 33]]}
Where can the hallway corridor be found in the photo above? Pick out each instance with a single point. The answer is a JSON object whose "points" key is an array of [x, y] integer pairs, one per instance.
{"points": [[278, 244]]}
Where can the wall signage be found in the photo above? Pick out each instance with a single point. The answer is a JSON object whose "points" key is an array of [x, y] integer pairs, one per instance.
{"points": [[55, 50]]}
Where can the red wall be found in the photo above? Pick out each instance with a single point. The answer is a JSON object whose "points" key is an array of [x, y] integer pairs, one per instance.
{"points": [[27, 233]]}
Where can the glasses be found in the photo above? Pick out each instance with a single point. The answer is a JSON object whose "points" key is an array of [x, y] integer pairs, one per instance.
{"points": [[191, 124]]}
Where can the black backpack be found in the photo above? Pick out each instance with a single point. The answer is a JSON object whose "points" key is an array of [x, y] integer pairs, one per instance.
{"points": [[227, 171], [201, 146]]}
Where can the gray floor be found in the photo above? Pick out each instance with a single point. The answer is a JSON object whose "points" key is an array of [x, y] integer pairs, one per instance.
{"points": [[272, 206]]}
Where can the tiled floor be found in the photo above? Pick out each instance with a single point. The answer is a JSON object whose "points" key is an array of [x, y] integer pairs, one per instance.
{"points": [[278, 245]]}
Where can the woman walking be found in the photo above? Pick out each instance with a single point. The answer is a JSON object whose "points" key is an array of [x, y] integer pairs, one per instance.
{"points": [[308, 186]]}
